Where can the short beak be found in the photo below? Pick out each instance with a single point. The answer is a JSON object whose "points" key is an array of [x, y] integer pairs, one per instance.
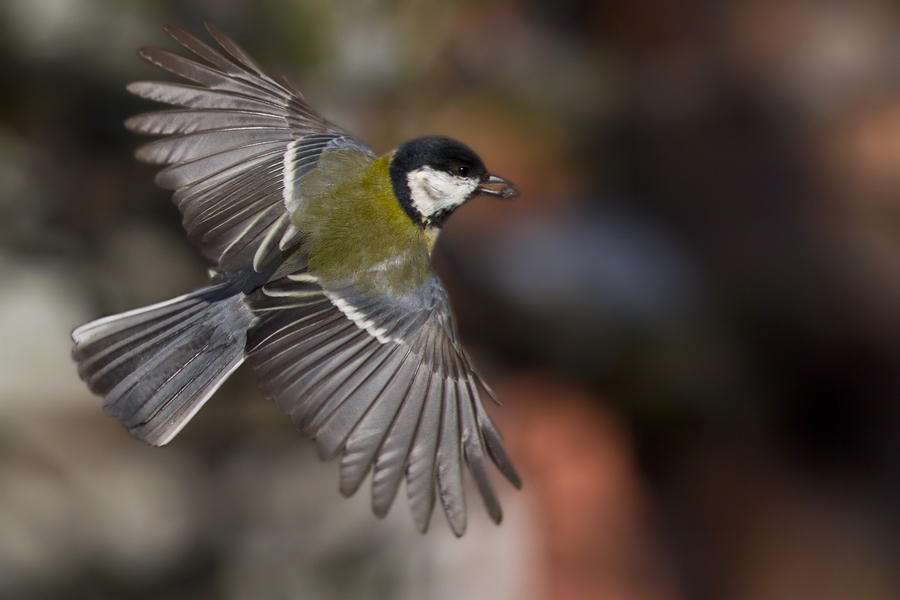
{"points": [[497, 186]]}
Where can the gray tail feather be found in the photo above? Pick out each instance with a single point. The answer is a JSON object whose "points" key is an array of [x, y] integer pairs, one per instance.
{"points": [[156, 366]]}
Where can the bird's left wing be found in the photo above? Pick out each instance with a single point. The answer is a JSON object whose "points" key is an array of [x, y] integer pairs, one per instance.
{"points": [[237, 147], [384, 383]]}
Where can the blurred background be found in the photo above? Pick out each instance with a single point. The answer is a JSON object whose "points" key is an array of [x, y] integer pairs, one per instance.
{"points": [[692, 313]]}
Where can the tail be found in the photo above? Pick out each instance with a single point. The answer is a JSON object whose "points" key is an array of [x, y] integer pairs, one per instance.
{"points": [[156, 366]]}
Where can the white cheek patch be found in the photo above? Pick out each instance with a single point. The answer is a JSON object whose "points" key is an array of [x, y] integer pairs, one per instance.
{"points": [[435, 191]]}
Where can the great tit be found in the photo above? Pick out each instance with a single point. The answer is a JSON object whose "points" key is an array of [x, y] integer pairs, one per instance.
{"points": [[322, 284]]}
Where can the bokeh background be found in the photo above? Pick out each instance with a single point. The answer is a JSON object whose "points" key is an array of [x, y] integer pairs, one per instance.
{"points": [[692, 313]]}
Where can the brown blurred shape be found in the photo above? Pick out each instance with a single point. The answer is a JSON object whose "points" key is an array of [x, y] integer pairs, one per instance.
{"points": [[596, 537]]}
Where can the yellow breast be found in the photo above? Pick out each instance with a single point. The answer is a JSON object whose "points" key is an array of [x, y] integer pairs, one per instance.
{"points": [[354, 228]]}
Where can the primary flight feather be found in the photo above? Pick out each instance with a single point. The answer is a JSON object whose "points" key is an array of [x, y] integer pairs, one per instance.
{"points": [[323, 285]]}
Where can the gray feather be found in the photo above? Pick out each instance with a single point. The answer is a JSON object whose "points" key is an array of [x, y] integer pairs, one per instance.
{"points": [[494, 444], [420, 475], [473, 451], [325, 380], [209, 77], [207, 53], [192, 96], [217, 196], [156, 366], [195, 145], [364, 442], [186, 173], [406, 403], [227, 148], [449, 462], [333, 427], [234, 50], [180, 121], [324, 353], [390, 464]]}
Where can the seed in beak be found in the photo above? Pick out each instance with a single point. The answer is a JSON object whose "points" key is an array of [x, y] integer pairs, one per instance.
{"points": [[498, 187]]}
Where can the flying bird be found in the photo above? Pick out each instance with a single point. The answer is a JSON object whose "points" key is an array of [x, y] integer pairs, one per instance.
{"points": [[322, 284]]}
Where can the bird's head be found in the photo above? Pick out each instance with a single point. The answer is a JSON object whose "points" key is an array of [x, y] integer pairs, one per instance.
{"points": [[434, 175]]}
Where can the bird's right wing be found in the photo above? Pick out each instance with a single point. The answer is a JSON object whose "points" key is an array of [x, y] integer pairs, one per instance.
{"points": [[237, 146], [384, 383]]}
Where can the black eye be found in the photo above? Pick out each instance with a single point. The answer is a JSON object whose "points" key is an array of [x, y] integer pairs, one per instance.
{"points": [[462, 171]]}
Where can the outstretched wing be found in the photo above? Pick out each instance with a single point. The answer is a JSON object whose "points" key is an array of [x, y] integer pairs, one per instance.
{"points": [[384, 383], [236, 148]]}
